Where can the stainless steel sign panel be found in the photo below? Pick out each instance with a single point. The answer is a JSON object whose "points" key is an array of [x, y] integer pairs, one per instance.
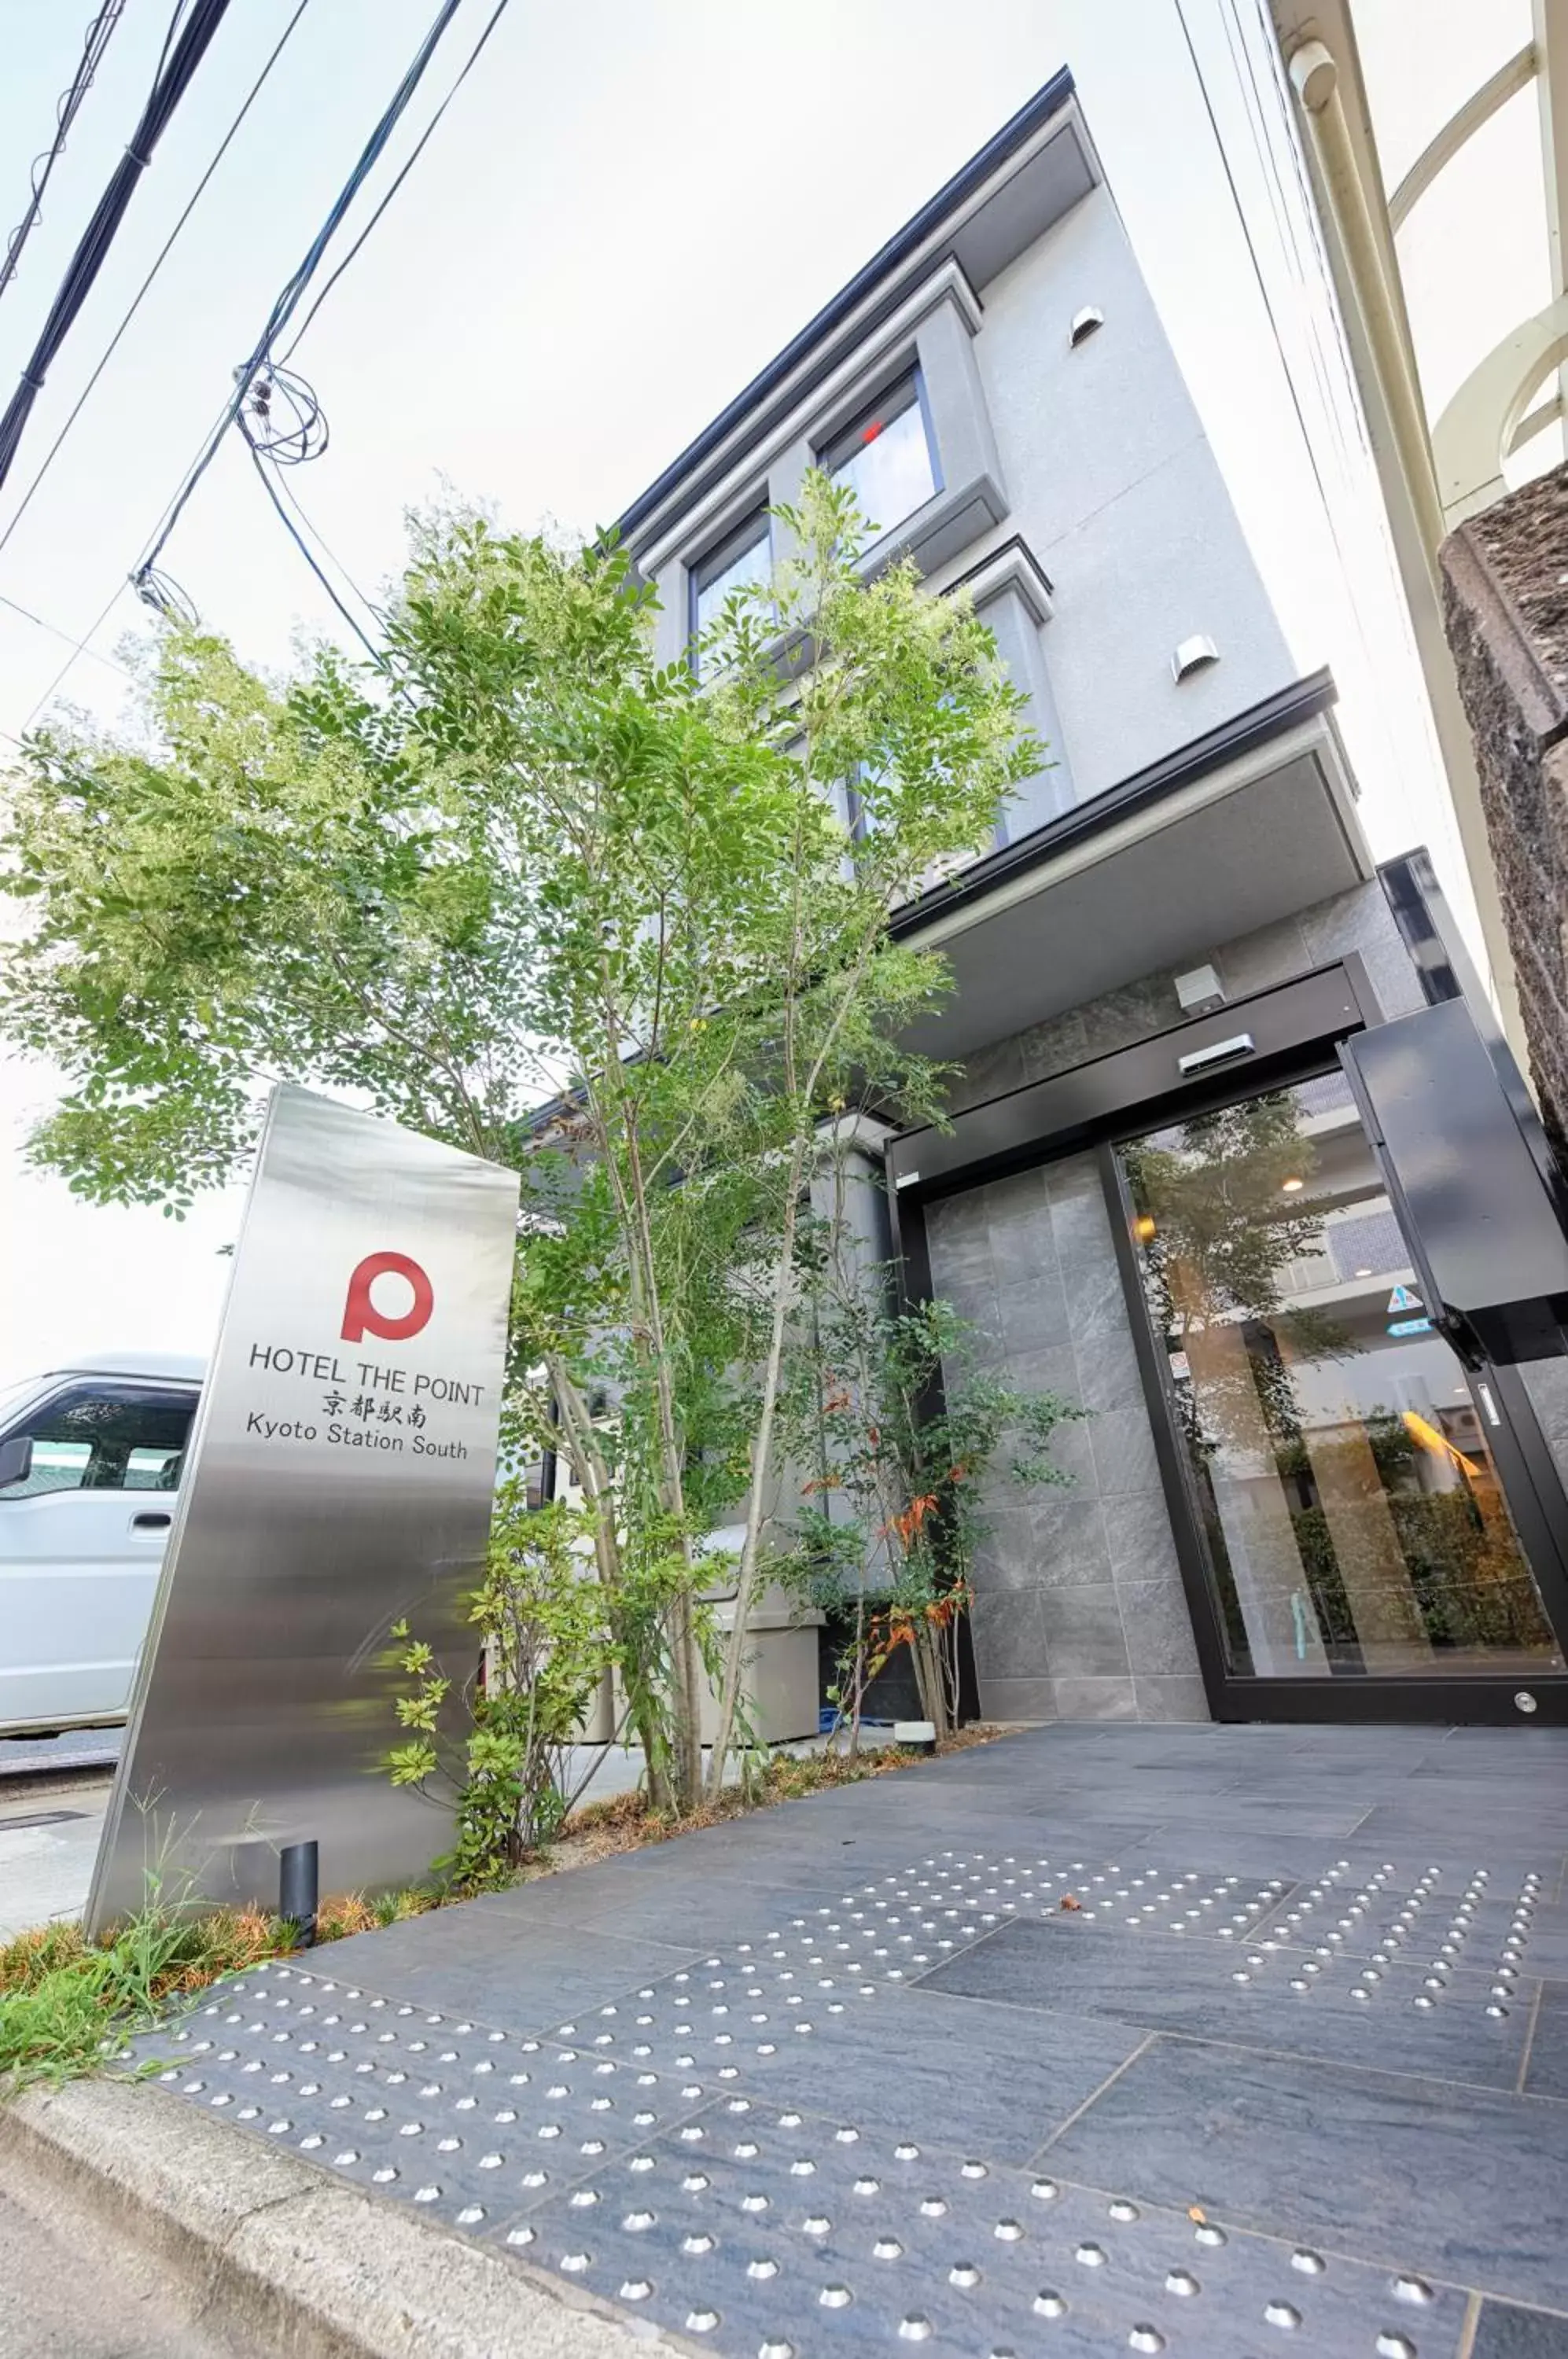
{"points": [[341, 1474]]}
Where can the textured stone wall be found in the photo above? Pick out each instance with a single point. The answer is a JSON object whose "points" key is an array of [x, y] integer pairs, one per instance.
{"points": [[1505, 612], [1359, 920], [1079, 1610]]}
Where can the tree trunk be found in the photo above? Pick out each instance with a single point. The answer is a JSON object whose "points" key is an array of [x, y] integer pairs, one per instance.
{"points": [[762, 1453]]}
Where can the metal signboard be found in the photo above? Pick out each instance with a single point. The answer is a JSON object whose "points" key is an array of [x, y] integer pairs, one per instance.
{"points": [[341, 1471]]}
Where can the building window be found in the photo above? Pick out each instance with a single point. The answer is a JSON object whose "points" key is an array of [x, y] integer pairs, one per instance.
{"points": [[887, 456], [742, 561]]}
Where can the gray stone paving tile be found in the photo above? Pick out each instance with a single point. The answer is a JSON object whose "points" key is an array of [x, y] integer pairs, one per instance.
{"points": [[519, 1979], [1395, 2018], [1321, 1820], [790, 2233], [715, 1913], [1495, 1924], [1508, 2333], [908, 2059], [451, 2114], [1512, 1832], [1308, 1859], [1546, 2075], [1467, 2186], [867, 2051]]}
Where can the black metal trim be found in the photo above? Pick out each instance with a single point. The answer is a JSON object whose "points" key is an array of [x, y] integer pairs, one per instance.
{"points": [[1175, 1480], [1438, 1702], [1138, 1086], [1443, 965], [1015, 133], [1532, 1486], [993, 557], [1287, 709]]}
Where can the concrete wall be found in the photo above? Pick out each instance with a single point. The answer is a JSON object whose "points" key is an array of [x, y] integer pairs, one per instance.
{"points": [[1094, 456], [1079, 1610], [1111, 482]]}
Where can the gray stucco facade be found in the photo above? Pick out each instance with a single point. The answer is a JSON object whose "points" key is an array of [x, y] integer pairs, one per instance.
{"points": [[1086, 457]]}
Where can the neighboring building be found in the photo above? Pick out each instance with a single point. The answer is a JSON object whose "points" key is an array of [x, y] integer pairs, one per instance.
{"points": [[1437, 159], [1290, 1498]]}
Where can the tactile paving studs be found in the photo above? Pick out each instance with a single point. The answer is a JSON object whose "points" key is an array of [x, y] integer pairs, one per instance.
{"points": [[903, 2263], [620, 2153]]}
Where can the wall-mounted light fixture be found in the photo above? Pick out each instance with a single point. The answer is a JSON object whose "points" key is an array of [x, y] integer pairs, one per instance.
{"points": [[1084, 323], [1193, 654]]}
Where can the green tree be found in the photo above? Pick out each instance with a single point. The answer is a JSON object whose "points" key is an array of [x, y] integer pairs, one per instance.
{"points": [[519, 862]]}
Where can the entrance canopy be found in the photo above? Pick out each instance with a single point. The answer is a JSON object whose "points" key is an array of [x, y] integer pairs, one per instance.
{"points": [[1235, 832]]}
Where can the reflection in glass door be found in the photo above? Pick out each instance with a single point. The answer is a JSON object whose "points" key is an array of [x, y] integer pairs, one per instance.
{"points": [[1354, 1520]]}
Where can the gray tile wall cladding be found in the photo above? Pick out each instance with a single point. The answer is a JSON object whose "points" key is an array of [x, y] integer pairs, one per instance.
{"points": [[1079, 1609]]}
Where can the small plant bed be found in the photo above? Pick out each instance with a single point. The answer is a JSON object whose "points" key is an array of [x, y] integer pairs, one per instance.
{"points": [[627, 1821], [64, 2003]]}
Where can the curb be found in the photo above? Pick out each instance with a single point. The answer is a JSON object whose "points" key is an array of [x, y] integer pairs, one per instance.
{"points": [[284, 2252]]}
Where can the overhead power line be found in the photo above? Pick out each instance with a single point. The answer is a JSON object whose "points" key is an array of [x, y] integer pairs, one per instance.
{"points": [[93, 49], [156, 588], [195, 196], [81, 648], [293, 293], [55, 631], [176, 71], [472, 60]]}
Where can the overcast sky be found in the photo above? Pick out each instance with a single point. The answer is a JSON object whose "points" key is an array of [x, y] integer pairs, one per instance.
{"points": [[628, 209]]}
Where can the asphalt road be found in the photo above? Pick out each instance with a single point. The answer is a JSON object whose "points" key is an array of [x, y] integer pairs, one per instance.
{"points": [[71, 2289], [80, 1748]]}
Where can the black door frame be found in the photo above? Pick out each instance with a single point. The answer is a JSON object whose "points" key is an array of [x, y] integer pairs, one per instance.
{"points": [[1530, 1485], [1293, 1032]]}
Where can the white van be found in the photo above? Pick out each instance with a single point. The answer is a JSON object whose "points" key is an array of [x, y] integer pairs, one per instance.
{"points": [[90, 1457]]}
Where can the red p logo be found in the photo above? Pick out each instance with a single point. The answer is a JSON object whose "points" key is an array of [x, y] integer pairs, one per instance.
{"points": [[362, 1317]]}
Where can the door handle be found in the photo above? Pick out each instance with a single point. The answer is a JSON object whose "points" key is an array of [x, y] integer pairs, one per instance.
{"points": [[151, 1523]]}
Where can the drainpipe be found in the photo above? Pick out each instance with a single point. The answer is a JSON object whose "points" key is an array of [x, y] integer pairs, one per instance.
{"points": [[1315, 77]]}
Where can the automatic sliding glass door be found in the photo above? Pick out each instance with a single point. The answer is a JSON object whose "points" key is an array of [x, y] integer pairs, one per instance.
{"points": [[1351, 1515]]}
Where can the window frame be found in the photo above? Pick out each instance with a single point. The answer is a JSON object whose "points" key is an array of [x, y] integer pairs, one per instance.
{"points": [[759, 514], [165, 1391], [912, 375]]}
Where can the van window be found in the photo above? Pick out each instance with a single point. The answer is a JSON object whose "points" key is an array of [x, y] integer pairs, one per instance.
{"points": [[104, 1437]]}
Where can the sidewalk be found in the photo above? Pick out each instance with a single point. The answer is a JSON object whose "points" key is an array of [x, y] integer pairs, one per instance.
{"points": [[48, 1841], [50, 1832], [1292, 2074]]}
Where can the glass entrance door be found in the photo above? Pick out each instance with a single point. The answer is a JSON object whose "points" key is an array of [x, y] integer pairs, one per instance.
{"points": [[1351, 1515]]}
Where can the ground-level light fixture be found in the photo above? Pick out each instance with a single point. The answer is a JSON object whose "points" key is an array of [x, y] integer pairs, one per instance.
{"points": [[1143, 1228], [1290, 1187]]}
